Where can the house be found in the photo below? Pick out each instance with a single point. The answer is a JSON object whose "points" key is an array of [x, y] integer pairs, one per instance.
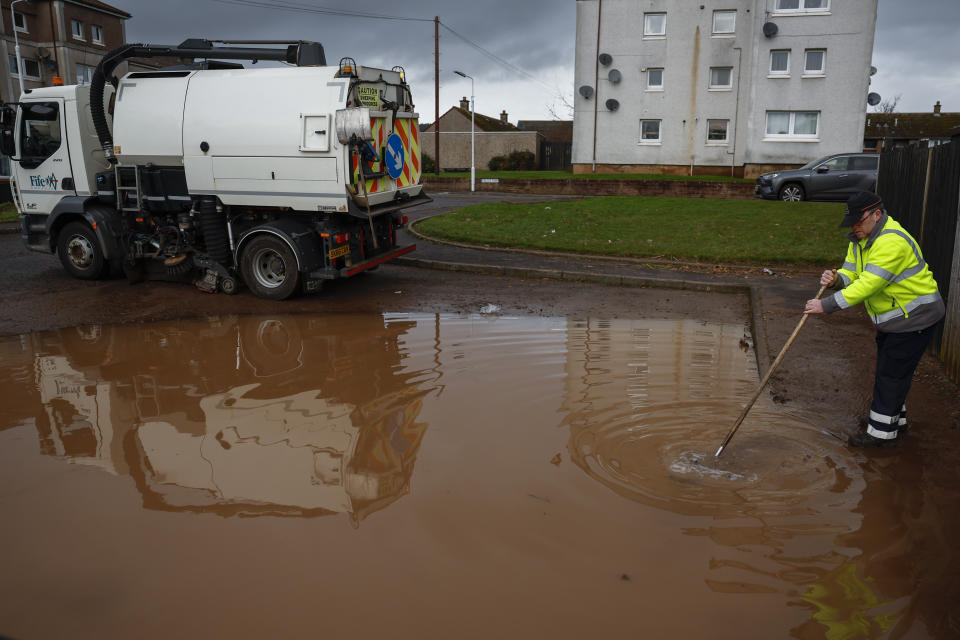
{"points": [[892, 130], [557, 142], [737, 87], [61, 41], [494, 137]]}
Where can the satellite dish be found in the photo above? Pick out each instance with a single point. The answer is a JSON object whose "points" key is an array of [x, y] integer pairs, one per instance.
{"points": [[586, 91], [614, 76], [612, 104], [770, 29], [873, 71], [605, 59], [873, 99]]}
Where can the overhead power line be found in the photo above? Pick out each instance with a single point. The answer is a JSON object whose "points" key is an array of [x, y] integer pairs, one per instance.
{"points": [[286, 5], [290, 5]]}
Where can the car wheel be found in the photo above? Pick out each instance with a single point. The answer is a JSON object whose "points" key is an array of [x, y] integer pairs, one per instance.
{"points": [[80, 252], [269, 268], [791, 192]]}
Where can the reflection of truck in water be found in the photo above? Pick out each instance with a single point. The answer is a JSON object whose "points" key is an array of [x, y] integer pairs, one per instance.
{"points": [[281, 178], [278, 415]]}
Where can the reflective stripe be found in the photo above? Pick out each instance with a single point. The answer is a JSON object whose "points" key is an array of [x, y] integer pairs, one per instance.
{"points": [[909, 273], [882, 419], [879, 271], [883, 435], [840, 300], [849, 266], [913, 245], [894, 278], [913, 304], [845, 279]]}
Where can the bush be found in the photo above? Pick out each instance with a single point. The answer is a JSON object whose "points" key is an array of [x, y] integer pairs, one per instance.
{"points": [[496, 163], [428, 164], [520, 161]]}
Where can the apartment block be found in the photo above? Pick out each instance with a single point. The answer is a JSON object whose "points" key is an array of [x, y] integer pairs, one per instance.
{"points": [[719, 87]]}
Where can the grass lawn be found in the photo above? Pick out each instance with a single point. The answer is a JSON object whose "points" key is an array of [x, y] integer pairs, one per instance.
{"points": [[8, 212], [565, 175], [705, 229]]}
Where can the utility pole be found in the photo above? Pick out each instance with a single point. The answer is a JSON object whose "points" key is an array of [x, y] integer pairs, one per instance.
{"points": [[436, 94]]}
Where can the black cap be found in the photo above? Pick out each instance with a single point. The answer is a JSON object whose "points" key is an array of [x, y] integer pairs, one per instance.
{"points": [[858, 204]]}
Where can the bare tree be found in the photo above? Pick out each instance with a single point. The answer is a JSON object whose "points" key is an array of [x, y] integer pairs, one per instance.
{"points": [[889, 105], [562, 106]]}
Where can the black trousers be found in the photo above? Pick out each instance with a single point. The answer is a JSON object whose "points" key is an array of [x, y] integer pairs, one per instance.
{"points": [[898, 355]]}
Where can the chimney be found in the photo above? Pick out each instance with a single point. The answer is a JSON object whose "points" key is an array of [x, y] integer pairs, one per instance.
{"points": [[936, 108], [503, 117], [464, 103]]}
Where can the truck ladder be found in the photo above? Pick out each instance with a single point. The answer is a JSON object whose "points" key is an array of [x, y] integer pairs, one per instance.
{"points": [[125, 175]]}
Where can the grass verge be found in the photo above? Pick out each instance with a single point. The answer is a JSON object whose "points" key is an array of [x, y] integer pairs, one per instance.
{"points": [[564, 175], [8, 212], [702, 229]]}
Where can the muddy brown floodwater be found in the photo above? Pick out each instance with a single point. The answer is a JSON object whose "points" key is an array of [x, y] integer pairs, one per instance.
{"points": [[440, 475]]}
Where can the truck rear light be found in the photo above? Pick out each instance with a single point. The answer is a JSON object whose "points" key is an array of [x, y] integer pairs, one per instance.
{"points": [[340, 238], [403, 220]]}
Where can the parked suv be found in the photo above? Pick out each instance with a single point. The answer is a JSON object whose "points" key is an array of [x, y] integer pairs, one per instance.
{"points": [[833, 177]]}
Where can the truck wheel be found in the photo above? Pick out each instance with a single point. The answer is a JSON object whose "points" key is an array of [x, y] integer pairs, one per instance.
{"points": [[791, 192], [80, 252], [269, 268]]}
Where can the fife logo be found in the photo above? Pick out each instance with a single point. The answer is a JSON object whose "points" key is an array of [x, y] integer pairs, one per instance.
{"points": [[50, 182]]}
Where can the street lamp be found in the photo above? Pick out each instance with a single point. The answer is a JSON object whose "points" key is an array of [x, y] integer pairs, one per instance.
{"points": [[473, 155], [16, 47]]}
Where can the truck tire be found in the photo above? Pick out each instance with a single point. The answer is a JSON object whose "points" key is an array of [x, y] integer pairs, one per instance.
{"points": [[269, 268], [80, 252], [791, 192]]}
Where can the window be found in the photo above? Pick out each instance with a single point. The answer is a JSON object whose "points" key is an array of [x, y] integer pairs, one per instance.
{"points": [[793, 124], [724, 22], [654, 79], [780, 62], [721, 77], [31, 68], [39, 133], [19, 21], [85, 73], [649, 132], [76, 28], [717, 131], [96, 33], [803, 6], [654, 24], [835, 164], [861, 163], [814, 62]]}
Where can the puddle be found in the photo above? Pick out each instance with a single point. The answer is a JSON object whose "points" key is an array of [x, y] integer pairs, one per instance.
{"points": [[556, 474]]}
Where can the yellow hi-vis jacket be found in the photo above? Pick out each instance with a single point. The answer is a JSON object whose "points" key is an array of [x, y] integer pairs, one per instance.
{"points": [[887, 273]]}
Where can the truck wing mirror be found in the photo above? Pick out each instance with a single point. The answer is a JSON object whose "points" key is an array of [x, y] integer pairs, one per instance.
{"points": [[8, 120]]}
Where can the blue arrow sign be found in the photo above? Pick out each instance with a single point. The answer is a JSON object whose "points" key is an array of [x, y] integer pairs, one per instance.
{"points": [[394, 156]]}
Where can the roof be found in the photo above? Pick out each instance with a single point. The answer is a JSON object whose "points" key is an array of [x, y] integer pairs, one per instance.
{"points": [[552, 130], [101, 6], [910, 125], [482, 122]]}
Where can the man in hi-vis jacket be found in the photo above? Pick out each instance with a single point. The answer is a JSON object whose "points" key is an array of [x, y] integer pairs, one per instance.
{"points": [[885, 270]]}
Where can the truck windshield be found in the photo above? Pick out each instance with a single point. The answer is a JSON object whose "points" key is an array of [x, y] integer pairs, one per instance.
{"points": [[39, 133]]}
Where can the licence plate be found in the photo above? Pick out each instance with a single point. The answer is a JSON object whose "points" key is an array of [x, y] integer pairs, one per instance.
{"points": [[339, 251]]}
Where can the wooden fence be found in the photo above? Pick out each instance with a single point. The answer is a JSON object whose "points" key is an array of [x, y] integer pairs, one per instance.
{"points": [[921, 189]]}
